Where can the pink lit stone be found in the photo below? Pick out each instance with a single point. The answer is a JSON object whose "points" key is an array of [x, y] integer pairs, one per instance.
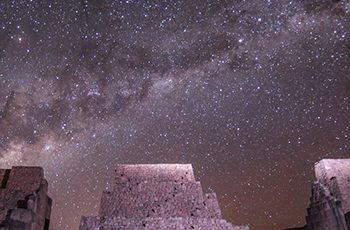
{"points": [[161, 196]]}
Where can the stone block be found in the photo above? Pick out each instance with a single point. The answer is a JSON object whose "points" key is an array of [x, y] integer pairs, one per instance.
{"points": [[24, 203], [164, 196]]}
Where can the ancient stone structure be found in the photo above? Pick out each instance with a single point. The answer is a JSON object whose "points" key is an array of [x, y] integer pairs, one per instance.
{"points": [[24, 203], [163, 196], [329, 207]]}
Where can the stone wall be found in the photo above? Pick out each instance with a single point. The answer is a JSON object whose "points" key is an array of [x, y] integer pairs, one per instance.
{"points": [[158, 223], [335, 174], [164, 199], [329, 207], [148, 172], [325, 211], [24, 203], [164, 196]]}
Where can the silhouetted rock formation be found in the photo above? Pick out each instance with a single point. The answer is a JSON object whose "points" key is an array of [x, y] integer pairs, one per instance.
{"points": [[24, 203], [329, 207], [164, 196]]}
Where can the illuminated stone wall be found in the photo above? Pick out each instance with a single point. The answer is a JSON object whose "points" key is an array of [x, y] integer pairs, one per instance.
{"points": [[163, 196], [24, 203]]}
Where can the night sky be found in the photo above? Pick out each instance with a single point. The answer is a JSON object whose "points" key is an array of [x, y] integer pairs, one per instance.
{"points": [[251, 92]]}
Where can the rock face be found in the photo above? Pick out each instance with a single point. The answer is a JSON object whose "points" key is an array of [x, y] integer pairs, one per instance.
{"points": [[24, 203], [329, 207], [162, 196]]}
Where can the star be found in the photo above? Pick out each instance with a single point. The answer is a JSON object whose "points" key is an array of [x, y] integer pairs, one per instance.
{"points": [[252, 93]]}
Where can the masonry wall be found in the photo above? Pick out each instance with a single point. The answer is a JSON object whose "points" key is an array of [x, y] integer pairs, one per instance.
{"points": [[329, 207], [158, 223], [335, 174], [23, 199], [164, 199], [157, 173], [164, 196], [325, 211]]}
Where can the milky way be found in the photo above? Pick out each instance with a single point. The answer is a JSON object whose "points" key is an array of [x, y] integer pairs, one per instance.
{"points": [[250, 92]]}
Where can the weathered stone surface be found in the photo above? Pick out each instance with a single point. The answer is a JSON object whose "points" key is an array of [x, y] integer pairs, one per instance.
{"points": [[325, 211], [335, 175], [159, 223], [160, 200], [329, 207], [149, 172], [164, 196], [24, 203]]}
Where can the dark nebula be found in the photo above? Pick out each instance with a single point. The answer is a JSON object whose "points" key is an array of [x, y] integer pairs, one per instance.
{"points": [[251, 92]]}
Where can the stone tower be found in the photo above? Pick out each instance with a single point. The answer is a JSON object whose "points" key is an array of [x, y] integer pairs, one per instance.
{"points": [[162, 196], [329, 207], [24, 203], [331, 192]]}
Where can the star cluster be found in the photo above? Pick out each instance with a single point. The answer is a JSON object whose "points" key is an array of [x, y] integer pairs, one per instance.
{"points": [[250, 92]]}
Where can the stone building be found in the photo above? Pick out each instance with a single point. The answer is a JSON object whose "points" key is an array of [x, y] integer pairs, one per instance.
{"points": [[162, 196], [24, 204], [329, 207]]}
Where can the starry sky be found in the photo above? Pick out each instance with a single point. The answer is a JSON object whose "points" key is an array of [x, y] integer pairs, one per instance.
{"points": [[251, 92]]}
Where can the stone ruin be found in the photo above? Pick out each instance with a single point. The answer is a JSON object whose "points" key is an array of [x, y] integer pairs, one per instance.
{"points": [[329, 207], [161, 196], [24, 203]]}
